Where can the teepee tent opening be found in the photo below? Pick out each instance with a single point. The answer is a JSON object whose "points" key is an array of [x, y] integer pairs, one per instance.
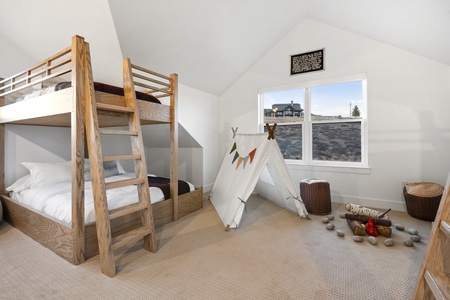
{"points": [[246, 158]]}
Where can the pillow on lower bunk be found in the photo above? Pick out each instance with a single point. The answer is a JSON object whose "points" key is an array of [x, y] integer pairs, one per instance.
{"points": [[110, 168], [44, 174], [20, 184], [47, 173]]}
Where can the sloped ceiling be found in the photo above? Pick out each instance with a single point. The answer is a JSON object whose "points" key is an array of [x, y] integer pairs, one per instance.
{"points": [[211, 43]]}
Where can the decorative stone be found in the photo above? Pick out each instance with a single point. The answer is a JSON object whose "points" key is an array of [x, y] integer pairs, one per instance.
{"points": [[358, 239], [412, 231], [330, 217], [330, 226], [399, 227], [408, 243], [415, 238], [340, 233], [373, 240], [325, 220], [342, 216], [389, 242]]}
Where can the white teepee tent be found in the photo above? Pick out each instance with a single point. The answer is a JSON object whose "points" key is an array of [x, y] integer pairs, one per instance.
{"points": [[245, 160]]}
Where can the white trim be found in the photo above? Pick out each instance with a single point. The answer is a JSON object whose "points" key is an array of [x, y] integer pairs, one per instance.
{"points": [[327, 167], [307, 143]]}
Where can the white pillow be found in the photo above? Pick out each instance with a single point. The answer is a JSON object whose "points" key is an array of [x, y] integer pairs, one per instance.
{"points": [[47, 173], [20, 184]]}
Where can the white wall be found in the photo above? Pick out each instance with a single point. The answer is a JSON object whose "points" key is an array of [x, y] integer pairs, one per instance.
{"points": [[409, 131], [198, 113], [190, 163], [12, 58]]}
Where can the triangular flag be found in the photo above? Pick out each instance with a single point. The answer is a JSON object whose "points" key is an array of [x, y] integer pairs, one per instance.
{"points": [[252, 154], [233, 148], [236, 155], [239, 162], [245, 162]]}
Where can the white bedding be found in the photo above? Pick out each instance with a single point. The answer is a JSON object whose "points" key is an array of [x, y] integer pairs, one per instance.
{"points": [[55, 199]]}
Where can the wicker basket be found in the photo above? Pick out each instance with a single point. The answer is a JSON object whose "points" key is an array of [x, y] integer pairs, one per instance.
{"points": [[422, 199]]}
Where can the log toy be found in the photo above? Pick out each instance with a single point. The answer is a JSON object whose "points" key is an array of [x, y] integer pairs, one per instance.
{"points": [[363, 220]]}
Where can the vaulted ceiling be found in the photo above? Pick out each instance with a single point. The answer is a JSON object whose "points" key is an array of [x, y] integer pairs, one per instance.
{"points": [[211, 43]]}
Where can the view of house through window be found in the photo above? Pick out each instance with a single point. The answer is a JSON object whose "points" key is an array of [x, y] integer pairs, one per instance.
{"points": [[319, 122]]}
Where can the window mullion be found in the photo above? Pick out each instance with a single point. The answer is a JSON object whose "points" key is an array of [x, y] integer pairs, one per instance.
{"points": [[307, 129]]}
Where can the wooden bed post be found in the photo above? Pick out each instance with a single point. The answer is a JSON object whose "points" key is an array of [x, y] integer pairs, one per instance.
{"points": [[174, 144], [80, 62]]}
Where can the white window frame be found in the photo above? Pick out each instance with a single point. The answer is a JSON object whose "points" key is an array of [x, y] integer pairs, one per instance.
{"points": [[307, 163]]}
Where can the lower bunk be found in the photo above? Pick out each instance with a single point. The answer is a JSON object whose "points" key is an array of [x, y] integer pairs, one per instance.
{"points": [[60, 238]]}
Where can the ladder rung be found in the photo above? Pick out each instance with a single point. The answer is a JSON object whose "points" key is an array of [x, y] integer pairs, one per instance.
{"points": [[122, 183], [131, 237], [126, 210], [438, 283], [115, 108], [445, 228], [122, 157], [119, 132]]}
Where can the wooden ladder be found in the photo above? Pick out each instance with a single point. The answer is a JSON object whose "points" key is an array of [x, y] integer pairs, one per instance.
{"points": [[108, 244], [433, 281]]}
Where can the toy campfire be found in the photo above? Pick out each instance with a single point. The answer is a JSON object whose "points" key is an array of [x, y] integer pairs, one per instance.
{"points": [[363, 221]]}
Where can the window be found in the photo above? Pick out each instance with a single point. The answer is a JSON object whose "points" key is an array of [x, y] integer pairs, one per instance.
{"points": [[321, 122]]}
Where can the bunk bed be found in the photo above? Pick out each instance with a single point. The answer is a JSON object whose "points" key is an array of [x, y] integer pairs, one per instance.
{"points": [[77, 241]]}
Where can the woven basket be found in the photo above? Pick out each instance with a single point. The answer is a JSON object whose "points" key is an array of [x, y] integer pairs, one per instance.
{"points": [[422, 199]]}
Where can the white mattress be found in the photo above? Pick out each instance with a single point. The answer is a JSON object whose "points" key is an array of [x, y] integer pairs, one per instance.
{"points": [[55, 199]]}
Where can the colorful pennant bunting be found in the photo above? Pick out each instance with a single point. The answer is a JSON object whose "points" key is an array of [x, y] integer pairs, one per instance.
{"points": [[241, 159]]}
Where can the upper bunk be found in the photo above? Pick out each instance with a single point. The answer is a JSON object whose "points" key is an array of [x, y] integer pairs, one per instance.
{"points": [[49, 93]]}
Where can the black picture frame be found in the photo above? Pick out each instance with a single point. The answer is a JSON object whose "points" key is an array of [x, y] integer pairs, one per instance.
{"points": [[307, 62]]}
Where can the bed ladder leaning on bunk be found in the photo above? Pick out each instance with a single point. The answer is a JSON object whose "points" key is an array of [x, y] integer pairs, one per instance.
{"points": [[106, 243]]}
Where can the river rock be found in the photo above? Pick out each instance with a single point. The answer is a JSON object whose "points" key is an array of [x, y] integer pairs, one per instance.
{"points": [[340, 233], [358, 239], [399, 227], [408, 243], [373, 240], [415, 238], [389, 242], [330, 226], [342, 216], [412, 231], [325, 220]]}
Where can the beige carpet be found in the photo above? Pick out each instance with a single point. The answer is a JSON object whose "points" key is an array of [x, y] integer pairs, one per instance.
{"points": [[273, 255]]}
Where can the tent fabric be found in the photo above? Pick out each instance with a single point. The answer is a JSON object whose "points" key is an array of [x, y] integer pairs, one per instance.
{"points": [[247, 156]]}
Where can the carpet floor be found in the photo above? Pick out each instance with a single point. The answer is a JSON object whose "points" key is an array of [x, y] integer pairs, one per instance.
{"points": [[273, 255]]}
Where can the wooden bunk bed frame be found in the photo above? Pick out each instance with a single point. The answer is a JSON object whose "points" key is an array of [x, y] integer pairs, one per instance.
{"points": [[65, 108]]}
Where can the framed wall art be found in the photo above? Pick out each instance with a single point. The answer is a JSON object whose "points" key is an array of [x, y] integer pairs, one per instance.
{"points": [[307, 62]]}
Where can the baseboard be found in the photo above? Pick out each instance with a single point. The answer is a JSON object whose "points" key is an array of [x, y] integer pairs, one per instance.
{"points": [[379, 204], [208, 187]]}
